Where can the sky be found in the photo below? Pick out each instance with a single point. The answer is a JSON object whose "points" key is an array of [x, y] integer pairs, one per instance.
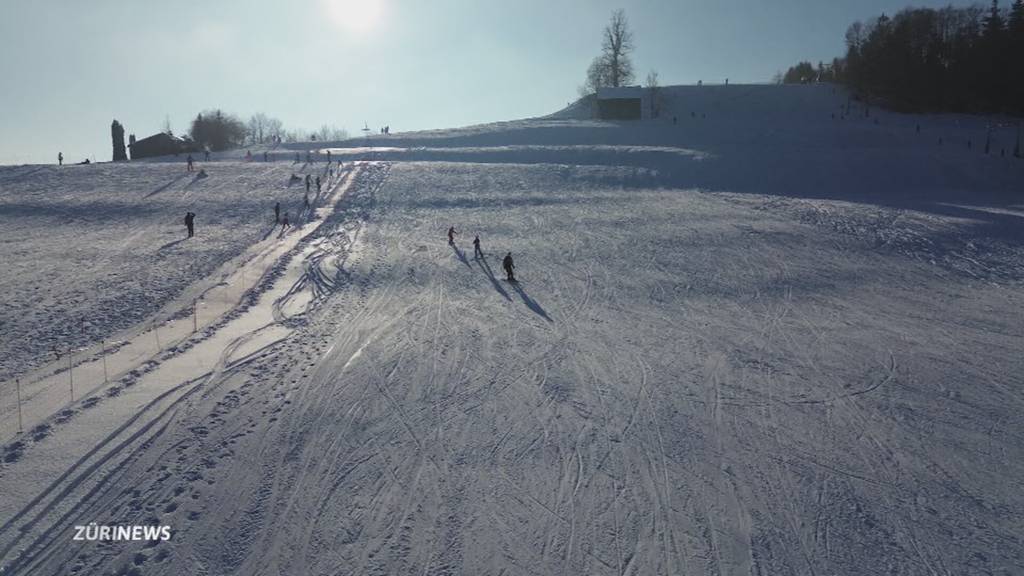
{"points": [[69, 67]]}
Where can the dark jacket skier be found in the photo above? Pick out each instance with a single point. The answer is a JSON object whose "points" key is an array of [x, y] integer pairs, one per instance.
{"points": [[60, 158], [190, 219], [476, 247], [308, 181], [317, 184], [189, 161], [451, 235], [509, 267]]}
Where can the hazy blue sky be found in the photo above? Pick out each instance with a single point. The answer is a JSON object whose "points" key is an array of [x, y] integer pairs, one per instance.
{"points": [[69, 67]]}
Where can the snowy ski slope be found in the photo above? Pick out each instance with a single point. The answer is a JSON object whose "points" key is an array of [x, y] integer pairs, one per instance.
{"points": [[759, 340]]}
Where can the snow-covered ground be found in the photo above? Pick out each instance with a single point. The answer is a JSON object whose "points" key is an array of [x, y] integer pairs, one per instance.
{"points": [[758, 340]]}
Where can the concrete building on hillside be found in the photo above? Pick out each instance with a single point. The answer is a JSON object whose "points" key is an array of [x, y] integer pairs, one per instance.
{"points": [[161, 144], [623, 103]]}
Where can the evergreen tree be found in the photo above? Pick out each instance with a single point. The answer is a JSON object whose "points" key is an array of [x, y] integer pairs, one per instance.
{"points": [[117, 136]]}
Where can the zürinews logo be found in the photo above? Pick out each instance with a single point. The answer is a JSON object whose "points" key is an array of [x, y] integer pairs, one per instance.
{"points": [[94, 532]]}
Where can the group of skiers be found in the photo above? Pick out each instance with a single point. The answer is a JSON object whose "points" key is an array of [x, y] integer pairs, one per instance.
{"points": [[507, 263]]}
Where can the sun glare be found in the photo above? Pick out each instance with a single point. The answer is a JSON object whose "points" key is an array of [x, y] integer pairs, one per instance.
{"points": [[355, 16]]}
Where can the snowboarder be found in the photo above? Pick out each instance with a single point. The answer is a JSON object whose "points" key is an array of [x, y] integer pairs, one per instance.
{"points": [[477, 252], [317, 184], [189, 162], [451, 235], [60, 158], [277, 213], [509, 267], [190, 219], [308, 180]]}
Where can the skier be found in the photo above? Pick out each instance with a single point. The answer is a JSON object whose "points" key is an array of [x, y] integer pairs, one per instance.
{"points": [[206, 154], [190, 219], [277, 213], [60, 158], [308, 180], [451, 235], [328, 157], [509, 267], [284, 223], [317, 184], [266, 157], [477, 252], [189, 161], [305, 201]]}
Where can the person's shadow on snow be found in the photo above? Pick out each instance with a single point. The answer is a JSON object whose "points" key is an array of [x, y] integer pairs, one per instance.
{"points": [[460, 254], [482, 262], [530, 302], [171, 244]]}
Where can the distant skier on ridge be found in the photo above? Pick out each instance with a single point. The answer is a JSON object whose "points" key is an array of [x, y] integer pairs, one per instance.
{"points": [[477, 252]]}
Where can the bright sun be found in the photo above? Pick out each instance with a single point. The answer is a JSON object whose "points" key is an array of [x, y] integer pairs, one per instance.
{"points": [[355, 16]]}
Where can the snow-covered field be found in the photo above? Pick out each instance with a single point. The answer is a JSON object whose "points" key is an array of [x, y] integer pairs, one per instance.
{"points": [[762, 341]]}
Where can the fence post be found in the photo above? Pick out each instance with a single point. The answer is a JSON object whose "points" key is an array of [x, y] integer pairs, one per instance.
{"points": [[103, 353], [17, 383], [71, 374]]}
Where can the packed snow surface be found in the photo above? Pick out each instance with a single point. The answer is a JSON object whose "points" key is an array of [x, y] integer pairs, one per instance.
{"points": [[770, 335]]}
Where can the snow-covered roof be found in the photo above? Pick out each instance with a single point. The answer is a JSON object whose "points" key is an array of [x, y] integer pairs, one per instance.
{"points": [[620, 92]]}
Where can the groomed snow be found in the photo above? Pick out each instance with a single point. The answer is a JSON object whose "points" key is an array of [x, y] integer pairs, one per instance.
{"points": [[761, 340]]}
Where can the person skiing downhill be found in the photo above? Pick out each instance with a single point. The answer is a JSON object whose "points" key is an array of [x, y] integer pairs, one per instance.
{"points": [[477, 252], [451, 235], [190, 219], [189, 161], [509, 267]]}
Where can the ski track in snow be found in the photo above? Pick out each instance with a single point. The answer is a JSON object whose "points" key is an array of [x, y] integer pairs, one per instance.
{"points": [[687, 380]]}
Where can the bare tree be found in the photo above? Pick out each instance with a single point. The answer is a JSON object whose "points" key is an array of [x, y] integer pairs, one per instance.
{"points": [[654, 91], [616, 47], [331, 133], [256, 127], [613, 67], [274, 128]]}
